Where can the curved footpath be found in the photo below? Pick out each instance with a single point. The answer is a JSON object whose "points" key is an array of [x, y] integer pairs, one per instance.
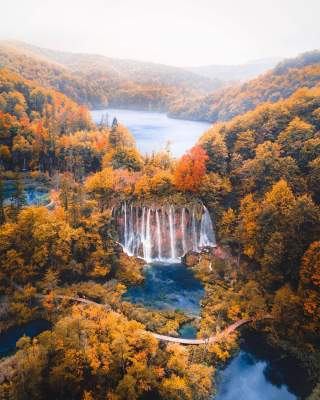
{"points": [[212, 339], [9, 365]]}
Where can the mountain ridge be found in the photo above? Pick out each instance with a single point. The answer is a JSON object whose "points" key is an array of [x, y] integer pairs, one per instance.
{"points": [[236, 72]]}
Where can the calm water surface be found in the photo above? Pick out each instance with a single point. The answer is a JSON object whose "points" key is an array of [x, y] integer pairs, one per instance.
{"points": [[152, 130], [35, 195], [31, 329], [188, 331], [247, 378], [168, 287]]}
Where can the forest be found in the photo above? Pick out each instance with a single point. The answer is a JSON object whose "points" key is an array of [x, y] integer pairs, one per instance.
{"points": [[235, 99], [97, 81], [258, 174]]}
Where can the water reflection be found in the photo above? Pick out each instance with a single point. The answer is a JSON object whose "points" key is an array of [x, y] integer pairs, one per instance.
{"points": [[245, 378], [31, 329]]}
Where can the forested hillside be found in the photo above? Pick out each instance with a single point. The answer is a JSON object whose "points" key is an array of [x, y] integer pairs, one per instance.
{"points": [[52, 75], [37, 124], [98, 81], [127, 70], [279, 83], [271, 158]]}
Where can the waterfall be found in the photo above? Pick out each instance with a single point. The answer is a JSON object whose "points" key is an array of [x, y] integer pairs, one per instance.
{"points": [[125, 225], [172, 233], [131, 232], [158, 235], [194, 232], [207, 236], [148, 238], [142, 233], [183, 230], [163, 234]]}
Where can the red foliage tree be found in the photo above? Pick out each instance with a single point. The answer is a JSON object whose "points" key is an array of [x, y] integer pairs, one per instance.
{"points": [[190, 169]]}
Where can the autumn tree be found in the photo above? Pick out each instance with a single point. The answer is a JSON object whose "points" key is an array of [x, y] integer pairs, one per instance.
{"points": [[268, 227], [123, 158], [103, 186], [190, 169], [91, 353], [314, 178], [120, 137], [162, 183], [294, 138], [216, 150], [310, 282], [266, 168], [213, 190], [2, 214]]}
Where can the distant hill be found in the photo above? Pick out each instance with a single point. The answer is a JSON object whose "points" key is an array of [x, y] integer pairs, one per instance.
{"points": [[241, 72], [52, 75], [97, 80], [141, 72], [278, 83]]}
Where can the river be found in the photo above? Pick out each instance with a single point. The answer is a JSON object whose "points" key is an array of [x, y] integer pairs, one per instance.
{"points": [[152, 130]]}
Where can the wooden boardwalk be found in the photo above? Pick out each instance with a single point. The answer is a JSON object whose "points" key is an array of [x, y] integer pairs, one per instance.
{"points": [[212, 339]]}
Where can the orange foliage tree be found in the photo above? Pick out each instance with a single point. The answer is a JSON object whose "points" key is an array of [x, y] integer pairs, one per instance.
{"points": [[190, 169], [310, 281]]}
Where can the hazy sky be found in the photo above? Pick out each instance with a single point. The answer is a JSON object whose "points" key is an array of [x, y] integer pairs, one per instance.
{"points": [[177, 32]]}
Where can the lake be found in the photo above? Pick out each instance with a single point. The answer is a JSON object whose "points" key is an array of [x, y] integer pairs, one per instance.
{"points": [[152, 130]]}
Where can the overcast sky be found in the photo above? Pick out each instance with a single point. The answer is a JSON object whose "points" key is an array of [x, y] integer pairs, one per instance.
{"points": [[176, 32]]}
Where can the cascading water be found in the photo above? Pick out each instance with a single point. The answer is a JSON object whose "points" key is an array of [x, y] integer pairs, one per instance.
{"points": [[183, 230], [206, 230], [163, 234], [148, 238], [172, 233], [159, 235], [194, 232]]}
